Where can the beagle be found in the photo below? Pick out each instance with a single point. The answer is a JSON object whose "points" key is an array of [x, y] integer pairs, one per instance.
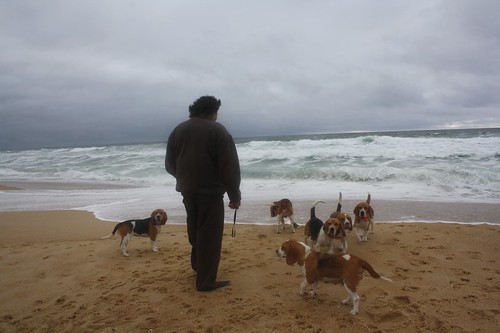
{"points": [[342, 216], [295, 253], [332, 229], [280, 210], [148, 227], [313, 226], [336, 268], [363, 219]]}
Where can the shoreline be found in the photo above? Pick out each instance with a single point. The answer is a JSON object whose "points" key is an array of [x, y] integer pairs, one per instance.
{"points": [[58, 275], [256, 210]]}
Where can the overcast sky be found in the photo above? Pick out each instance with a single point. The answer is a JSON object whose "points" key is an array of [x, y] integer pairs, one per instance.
{"points": [[97, 72]]}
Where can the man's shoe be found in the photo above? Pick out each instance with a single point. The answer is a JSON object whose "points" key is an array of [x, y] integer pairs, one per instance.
{"points": [[217, 285], [221, 284]]}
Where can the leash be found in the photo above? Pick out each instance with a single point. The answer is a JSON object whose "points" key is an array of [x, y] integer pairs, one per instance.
{"points": [[233, 232]]}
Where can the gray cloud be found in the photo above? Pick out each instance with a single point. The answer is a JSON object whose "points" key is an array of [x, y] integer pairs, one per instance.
{"points": [[91, 72]]}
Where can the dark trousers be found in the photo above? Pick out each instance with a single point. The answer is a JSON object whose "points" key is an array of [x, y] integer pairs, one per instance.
{"points": [[205, 226]]}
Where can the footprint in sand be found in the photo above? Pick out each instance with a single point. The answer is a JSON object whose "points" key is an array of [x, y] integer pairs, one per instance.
{"points": [[390, 263], [411, 288], [7, 317], [389, 316], [438, 247], [474, 254], [403, 299], [61, 300], [393, 241]]}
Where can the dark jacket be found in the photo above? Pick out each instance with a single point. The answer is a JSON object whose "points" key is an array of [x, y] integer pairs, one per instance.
{"points": [[202, 156]]}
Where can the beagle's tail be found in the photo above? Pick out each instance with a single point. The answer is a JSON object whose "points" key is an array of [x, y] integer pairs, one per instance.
{"points": [[108, 236], [339, 205], [112, 233], [313, 208], [366, 266]]}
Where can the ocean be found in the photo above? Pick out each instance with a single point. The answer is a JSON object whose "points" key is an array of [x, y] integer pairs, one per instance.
{"points": [[118, 182]]}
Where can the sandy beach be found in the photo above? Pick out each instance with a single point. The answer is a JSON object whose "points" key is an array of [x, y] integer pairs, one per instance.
{"points": [[58, 275]]}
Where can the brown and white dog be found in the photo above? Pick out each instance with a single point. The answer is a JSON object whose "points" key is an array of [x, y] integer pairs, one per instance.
{"points": [[148, 227], [363, 219], [313, 226], [342, 216], [336, 268], [280, 210], [332, 229]]}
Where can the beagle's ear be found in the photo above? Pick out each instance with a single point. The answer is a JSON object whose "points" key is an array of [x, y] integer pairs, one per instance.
{"points": [[356, 210], [342, 229], [372, 213], [291, 258], [291, 255], [273, 210]]}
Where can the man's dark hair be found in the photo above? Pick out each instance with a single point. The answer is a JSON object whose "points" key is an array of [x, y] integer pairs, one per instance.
{"points": [[204, 106]]}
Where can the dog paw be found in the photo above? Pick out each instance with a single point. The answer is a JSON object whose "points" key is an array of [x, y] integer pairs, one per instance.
{"points": [[126, 254], [345, 301], [155, 249], [353, 312]]}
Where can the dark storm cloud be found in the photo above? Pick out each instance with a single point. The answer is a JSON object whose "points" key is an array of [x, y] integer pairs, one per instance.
{"points": [[96, 72]]}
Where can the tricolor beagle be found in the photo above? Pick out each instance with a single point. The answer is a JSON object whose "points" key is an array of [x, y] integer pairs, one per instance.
{"points": [[336, 268], [150, 226], [282, 209], [313, 226], [332, 229], [363, 219]]}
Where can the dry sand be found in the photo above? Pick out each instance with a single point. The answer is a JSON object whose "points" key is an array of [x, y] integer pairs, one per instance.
{"points": [[57, 275]]}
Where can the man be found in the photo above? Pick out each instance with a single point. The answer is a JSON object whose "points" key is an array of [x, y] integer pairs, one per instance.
{"points": [[202, 156]]}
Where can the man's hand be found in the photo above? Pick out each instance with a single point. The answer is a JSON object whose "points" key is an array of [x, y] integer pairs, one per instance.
{"points": [[234, 205]]}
